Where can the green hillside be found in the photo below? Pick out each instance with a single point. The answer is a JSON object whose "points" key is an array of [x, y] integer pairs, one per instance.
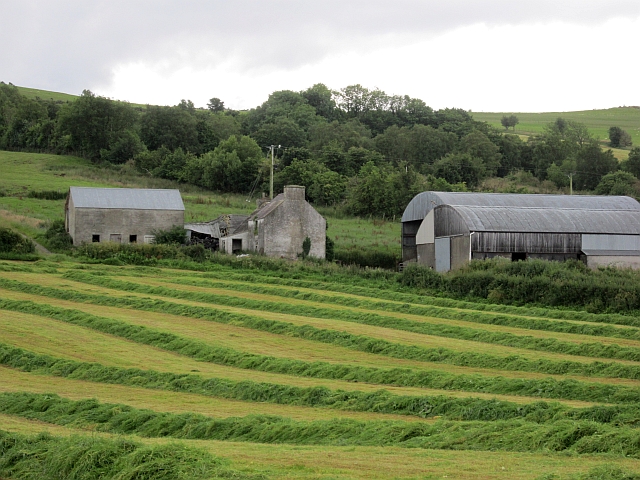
{"points": [[34, 93], [598, 121]]}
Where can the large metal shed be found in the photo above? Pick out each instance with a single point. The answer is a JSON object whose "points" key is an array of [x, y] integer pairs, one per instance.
{"points": [[122, 215], [445, 230]]}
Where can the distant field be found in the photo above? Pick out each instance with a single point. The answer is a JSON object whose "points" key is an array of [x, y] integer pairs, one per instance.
{"points": [[598, 121], [46, 95], [315, 374]]}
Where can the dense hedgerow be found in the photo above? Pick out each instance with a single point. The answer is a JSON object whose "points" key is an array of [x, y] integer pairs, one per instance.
{"points": [[579, 437], [138, 254], [47, 194], [568, 284], [45, 457]]}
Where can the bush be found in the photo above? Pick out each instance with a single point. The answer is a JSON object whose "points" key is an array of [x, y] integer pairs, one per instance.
{"points": [[12, 242], [176, 235], [57, 237], [367, 258], [48, 194]]}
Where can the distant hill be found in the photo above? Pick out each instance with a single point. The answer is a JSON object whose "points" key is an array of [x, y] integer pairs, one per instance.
{"points": [[598, 121]]}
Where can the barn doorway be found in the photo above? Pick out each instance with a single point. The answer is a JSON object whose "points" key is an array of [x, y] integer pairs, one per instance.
{"points": [[518, 256]]}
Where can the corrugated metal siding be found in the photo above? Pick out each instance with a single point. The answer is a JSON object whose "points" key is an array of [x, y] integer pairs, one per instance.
{"points": [[610, 242], [526, 242], [126, 198], [425, 201]]}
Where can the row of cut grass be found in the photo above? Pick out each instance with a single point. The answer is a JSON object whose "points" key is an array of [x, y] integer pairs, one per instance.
{"points": [[545, 388]]}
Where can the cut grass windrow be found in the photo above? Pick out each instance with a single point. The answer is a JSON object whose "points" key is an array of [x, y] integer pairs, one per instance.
{"points": [[46, 457], [343, 339], [592, 350], [541, 388], [470, 313], [575, 436]]}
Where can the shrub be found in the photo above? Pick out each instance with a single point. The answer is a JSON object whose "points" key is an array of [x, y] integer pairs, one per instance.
{"points": [[12, 242], [57, 237], [48, 194], [176, 235]]}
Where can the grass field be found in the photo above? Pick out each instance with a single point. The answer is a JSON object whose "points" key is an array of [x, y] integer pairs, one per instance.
{"points": [[598, 122], [34, 93], [314, 375]]}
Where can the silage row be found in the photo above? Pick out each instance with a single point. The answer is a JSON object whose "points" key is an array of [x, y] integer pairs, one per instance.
{"points": [[551, 345], [343, 339], [569, 435], [46, 457], [365, 284], [542, 388]]}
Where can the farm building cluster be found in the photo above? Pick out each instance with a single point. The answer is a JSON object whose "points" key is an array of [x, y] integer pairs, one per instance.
{"points": [[276, 228], [445, 230]]}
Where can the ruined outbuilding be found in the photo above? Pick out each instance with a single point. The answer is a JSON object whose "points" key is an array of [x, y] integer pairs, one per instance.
{"points": [[277, 228], [121, 215]]}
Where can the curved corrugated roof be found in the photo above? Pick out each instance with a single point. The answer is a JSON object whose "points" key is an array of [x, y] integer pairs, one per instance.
{"points": [[548, 220], [422, 203], [126, 198]]}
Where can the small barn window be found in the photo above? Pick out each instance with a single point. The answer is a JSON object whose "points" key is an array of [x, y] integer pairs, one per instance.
{"points": [[133, 238], [95, 238], [236, 245], [518, 256]]}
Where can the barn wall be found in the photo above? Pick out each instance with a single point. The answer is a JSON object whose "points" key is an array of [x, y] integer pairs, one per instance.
{"points": [[459, 251], [620, 261], [426, 254], [610, 242], [448, 222], [105, 222], [526, 242]]}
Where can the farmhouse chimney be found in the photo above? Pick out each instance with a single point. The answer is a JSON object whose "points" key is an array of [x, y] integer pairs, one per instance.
{"points": [[294, 192]]}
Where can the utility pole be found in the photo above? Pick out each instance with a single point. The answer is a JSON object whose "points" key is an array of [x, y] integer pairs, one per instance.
{"points": [[570, 175], [272, 147]]}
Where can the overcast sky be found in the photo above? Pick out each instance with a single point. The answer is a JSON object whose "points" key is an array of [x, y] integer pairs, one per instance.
{"points": [[480, 55]]}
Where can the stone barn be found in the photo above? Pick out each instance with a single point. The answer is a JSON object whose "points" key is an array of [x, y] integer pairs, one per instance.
{"points": [[122, 215], [445, 230], [279, 227]]}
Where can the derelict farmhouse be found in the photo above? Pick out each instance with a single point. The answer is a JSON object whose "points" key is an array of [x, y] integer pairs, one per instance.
{"points": [[277, 228], [445, 230]]}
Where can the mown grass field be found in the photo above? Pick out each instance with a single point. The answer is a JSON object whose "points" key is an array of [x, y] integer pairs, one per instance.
{"points": [[315, 372]]}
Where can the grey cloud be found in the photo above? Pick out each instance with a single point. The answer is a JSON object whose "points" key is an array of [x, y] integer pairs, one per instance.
{"points": [[74, 44]]}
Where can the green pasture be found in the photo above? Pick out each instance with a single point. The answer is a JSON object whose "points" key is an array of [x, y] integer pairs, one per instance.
{"points": [[598, 121], [34, 93]]}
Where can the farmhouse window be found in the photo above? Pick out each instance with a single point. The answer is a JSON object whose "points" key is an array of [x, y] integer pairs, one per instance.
{"points": [[133, 238], [95, 238]]}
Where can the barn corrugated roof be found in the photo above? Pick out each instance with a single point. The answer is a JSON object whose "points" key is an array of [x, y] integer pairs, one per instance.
{"points": [[424, 202], [237, 224], [548, 220], [126, 198]]}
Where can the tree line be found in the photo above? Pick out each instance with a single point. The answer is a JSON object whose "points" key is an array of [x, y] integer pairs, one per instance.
{"points": [[360, 149]]}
